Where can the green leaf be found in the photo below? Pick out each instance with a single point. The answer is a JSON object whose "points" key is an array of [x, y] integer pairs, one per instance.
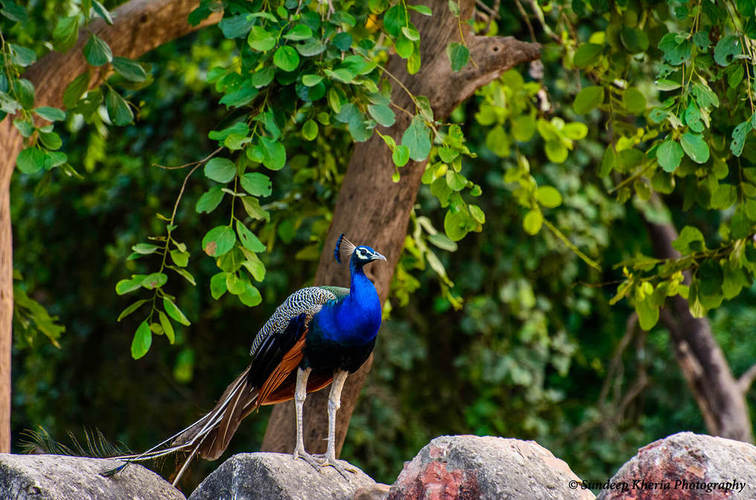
{"points": [[667, 85], [250, 297], [726, 49], [66, 33], [455, 224], [75, 90], [587, 99], [690, 240], [119, 110], [218, 241], [131, 308], [458, 54], [310, 130], [417, 139], [97, 52], [548, 196], [235, 26], [394, 19], [299, 32], [739, 136], [383, 114], [142, 340], [401, 155], [209, 200], [311, 80], [130, 70], [695, 147], [218, 285], [102, 11], [260, 39], [421, 9], [286, 58], [693, 118], [174, 312], [145, 248], [676, 48], [669, 154], [634, 101], [50, 113], [443, 242], [184, 274], [257, 184], [248, 238], [274, 156], [532, 222], [634, 40], [477, 214], [220, 170], [180, 258], [167, 327], [22, 56], [523, 127], [154, 280], [31, 160], [587, 55], [126, 286], [648, 314], [241, 96]]}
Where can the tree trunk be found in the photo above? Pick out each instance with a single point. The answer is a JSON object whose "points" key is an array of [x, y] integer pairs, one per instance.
{"points": [[703, 364], [139, 26], [372, 209]]}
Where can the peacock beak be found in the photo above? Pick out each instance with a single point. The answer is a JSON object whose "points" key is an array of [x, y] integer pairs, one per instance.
{"points": [[377, 256]]}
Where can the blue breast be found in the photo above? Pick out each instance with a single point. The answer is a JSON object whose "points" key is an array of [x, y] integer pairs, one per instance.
{"points": [[354, 319]]}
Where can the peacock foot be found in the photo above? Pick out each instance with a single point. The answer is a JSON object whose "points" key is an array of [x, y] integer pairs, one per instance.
{"points": [[325, 461], [313, 461]]}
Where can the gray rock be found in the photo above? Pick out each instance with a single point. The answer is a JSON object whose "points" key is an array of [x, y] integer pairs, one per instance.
{"points": [[378, 491], [265, 476], [59, 477], [487, 468], [686, 465]]}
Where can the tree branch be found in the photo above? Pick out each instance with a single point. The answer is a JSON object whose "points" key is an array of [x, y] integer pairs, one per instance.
{"points": [[746, 380]]}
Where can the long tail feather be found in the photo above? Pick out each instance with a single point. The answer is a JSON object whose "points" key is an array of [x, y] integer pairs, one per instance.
{"points": [[238, 400]]}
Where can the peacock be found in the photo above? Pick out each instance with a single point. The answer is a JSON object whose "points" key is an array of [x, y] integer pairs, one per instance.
{"points": [[317, 336]]}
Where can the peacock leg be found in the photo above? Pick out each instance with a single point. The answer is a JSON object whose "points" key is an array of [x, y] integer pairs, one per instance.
{"points": [[300, 393], [334, 403]]}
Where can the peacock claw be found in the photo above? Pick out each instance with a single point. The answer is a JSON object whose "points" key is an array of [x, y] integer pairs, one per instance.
{"points": [[307, 458], [341, 469]]}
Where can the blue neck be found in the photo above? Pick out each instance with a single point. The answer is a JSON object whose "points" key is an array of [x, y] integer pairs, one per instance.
{"points": [[357, 317]]}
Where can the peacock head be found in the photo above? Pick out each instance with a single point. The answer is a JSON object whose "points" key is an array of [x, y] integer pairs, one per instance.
{"points": [[358, 255]]}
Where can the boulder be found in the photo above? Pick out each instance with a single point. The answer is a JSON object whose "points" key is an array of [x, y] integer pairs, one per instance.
{"points": [[264, 476], [451, 467], [60, 477], [686, 465]]}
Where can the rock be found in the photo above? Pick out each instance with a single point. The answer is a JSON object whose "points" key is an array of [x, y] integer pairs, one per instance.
{"points": [[249, 476], [378, 491], [60, 477], [451, 467], [686, 465]]}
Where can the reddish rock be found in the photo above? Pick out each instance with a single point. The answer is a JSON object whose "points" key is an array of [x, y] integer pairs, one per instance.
{"points": [[473, 467], [686, 466]]}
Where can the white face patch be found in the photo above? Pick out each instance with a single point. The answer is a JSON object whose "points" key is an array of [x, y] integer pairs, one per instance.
{"points": [[362, 254]]}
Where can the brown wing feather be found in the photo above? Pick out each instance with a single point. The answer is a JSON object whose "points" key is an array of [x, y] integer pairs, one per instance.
{"points": [[286, 367]]}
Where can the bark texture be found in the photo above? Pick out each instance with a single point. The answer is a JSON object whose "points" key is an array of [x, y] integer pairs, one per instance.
{"points": [[703, 364], [373, 210], [139, 26]]}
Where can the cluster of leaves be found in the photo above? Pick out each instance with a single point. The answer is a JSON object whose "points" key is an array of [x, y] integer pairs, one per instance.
{"points": [[17, 94], [685, 130]]}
